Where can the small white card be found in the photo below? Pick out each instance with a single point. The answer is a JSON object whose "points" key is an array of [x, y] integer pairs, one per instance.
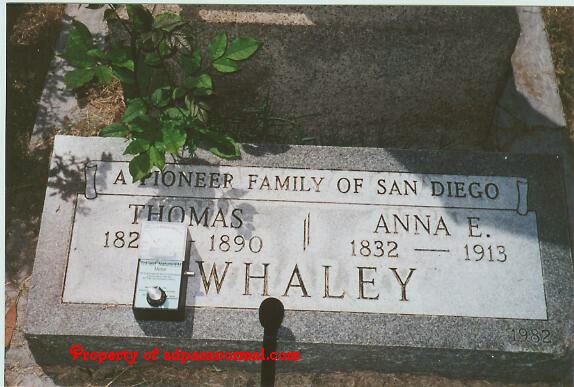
{"points": [[162, 240]]}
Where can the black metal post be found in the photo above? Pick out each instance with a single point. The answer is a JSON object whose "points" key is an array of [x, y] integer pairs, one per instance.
{"points": [[271, 313]]}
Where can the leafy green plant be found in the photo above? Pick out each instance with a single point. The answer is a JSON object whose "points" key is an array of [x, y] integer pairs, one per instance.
{"points": [[165, 111]]}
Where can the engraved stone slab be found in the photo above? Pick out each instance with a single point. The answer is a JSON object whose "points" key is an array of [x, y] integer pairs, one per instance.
{"points": [[353, 241], [464, 257]]}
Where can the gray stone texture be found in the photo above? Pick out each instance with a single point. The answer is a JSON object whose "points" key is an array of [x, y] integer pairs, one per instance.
{"points": [[455, 346], [530, 99], [58, 108], [529, 117], [428, 77]]}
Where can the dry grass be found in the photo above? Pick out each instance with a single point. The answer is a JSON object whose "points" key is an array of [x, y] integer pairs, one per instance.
{"points": [[34, 22], [560, 28], [32, 31], [162, 375], [101, 105]]}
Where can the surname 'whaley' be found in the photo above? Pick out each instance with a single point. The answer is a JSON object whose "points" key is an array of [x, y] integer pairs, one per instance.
{"points": [[257, 279]]}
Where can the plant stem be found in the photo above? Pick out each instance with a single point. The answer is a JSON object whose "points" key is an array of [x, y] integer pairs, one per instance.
{"points": [[133, 47], [165, 69]]}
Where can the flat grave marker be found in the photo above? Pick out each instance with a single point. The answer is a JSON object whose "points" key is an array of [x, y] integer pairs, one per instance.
{"points": [[384, 256]]}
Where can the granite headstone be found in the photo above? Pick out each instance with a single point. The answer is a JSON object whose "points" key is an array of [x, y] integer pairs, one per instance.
{"points": [[385, 76], [456, 263]]}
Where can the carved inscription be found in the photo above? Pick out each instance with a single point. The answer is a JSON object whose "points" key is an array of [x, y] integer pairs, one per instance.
{"points": [[373, 242]]}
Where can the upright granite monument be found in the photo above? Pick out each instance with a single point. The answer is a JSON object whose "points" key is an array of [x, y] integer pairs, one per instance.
{"points": [[455, 263], [382, 76]]}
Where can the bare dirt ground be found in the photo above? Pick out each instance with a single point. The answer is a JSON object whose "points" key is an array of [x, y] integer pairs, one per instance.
{"points": [[32, 31]]}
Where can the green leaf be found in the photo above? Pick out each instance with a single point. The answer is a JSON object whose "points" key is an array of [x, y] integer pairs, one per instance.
{"points": [[146, 127], [136, 107], [164, 49], [96, 53], [202, 92], [224, 65], [204, 105], [127, 64], [227, 150], [217, 46], [119, 52], [146, 42], [125, 76], [158, 78], [140, 17], [160, 146], [156, 36], [143, 74], [203, 81], [79, 43], [157, 157], [120, 56], [78, 77], [192, 106], [202, 115], [199, 110], [114, 130], [160, 97], [140, 127], [104, 74], [174, 114], [95, 6], [140, 166], [242, 48], [202, 130], [139, 145], [168, 21], [221, 145], [152, 59], [178, 92], [173, 138], [191, 63]]}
